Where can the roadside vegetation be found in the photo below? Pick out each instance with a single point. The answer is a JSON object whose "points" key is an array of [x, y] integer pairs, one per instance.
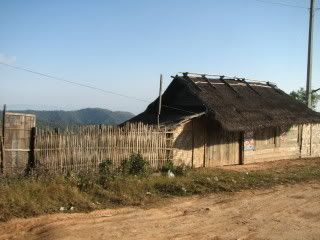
{"points": [[134, 184]]}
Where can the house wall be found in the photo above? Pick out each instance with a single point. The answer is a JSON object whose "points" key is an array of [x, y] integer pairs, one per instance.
{"points": [[315, 139], [310, 146], [271, 144], [294, 142], [182, 144], [189, 143], [199, 143], [222, 146]]}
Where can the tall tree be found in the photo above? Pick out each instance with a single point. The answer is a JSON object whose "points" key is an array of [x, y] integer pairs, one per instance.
{"points": [[300, 95]]}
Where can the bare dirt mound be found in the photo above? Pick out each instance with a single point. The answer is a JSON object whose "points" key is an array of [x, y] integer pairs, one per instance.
{"points": [[284, 212]]}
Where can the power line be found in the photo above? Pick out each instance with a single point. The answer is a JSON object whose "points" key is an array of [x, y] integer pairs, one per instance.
{"points": [[71, 82], [88, 86], [282, 4]]}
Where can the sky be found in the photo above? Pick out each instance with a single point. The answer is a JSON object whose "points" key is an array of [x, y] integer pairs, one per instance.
{"points": [[123, 46]]}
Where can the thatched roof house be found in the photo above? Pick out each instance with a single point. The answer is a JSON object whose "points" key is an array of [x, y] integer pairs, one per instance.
{"points": [[221, 121]]}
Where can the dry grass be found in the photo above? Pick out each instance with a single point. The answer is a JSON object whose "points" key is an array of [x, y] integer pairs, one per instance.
{"points": [[25, 197]]}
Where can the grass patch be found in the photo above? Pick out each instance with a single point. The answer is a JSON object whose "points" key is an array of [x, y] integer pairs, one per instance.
{"points": [[35, 195]]}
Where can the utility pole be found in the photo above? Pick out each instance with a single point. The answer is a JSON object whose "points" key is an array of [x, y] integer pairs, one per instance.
{"points": [[310, 49], [160, 100]]}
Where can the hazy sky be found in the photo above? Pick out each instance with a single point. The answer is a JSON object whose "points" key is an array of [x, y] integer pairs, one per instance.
{"points": [[123, 46]]}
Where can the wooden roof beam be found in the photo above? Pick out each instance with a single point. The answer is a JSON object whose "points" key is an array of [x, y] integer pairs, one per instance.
{"points": [[185, 76], [274, 88], [207, 80], [211, 84], [229, 86], [248, 85]]}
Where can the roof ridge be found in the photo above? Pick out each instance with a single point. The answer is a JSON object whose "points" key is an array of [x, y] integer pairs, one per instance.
{"points": [[219, 76]]}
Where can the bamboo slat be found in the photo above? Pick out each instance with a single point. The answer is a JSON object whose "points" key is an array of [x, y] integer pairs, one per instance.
{"points": [[85, 147]]}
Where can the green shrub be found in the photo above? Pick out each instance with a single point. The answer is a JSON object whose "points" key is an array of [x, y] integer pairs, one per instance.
{"points": [[85, 180], [168, 166], [105, 171], [181, 170], [137, 165], [105, 167], [124, 167]]}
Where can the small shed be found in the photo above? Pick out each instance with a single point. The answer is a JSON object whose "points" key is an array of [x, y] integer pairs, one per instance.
{"points": [[226, 121], [16, 134]]}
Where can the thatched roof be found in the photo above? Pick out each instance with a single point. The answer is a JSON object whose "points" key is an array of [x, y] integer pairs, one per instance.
{"points": [[238, 105]]}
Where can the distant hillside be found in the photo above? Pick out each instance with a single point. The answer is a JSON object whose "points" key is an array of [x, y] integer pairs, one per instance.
{"points": [[85, 116]]}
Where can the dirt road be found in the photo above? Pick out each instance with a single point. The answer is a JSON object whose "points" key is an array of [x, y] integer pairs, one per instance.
{"points": [[285, 212]]}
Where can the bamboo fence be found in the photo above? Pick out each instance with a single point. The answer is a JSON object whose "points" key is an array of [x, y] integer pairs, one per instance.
{"points": [[85, 147]]}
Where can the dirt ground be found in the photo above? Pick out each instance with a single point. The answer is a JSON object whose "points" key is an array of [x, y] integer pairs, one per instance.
{"points": [[278, 165], [284, 212]]}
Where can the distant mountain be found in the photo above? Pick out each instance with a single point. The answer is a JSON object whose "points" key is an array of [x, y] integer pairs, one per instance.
{"points": [[87, 116]]}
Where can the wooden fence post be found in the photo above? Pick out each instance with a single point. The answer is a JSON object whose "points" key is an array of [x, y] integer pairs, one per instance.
{"points": [[2, 157], [3, 138], [31, 157]]}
